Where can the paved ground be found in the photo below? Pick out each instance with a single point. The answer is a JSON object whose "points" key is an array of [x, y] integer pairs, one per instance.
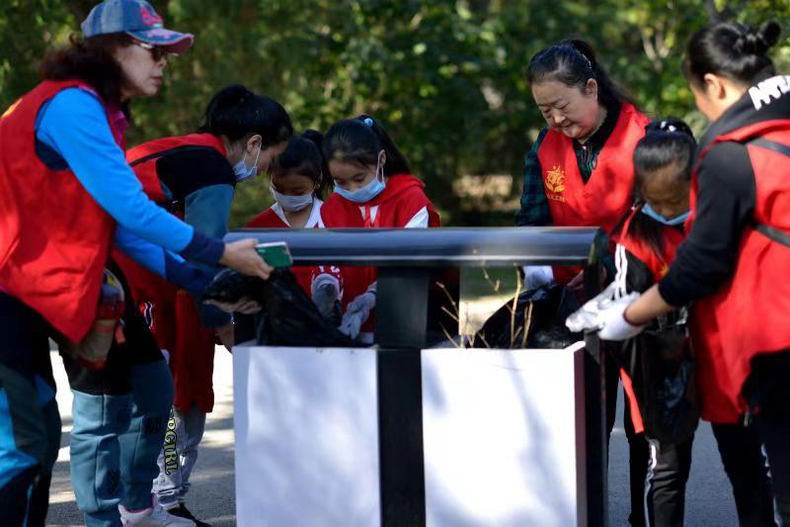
{"points": [[709, 501], [212, 496]]}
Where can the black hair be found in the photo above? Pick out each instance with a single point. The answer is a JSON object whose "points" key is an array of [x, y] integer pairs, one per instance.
{"points": [[735, 51], [360, 140], [303, 156], [237, 113], [90, 60], [667, 142], [572, 62]]}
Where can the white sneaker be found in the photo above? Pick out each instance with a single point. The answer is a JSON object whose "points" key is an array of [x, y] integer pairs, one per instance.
{"points": [[153, 516]]}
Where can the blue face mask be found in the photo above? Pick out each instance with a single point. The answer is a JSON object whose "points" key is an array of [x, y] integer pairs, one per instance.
{"points": [[292, 203], [366, 193], [242, 172], [679, 220]]}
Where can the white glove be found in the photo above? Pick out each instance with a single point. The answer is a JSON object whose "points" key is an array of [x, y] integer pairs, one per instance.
{"points": [[357, 314], [614, 326], [537, 275]]}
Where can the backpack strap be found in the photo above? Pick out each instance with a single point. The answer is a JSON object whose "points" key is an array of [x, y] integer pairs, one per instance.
{"points": [[772, 233]]}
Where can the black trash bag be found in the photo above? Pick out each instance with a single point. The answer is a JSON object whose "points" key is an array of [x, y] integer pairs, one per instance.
{"points": [[661, 366], [288, 318], [551, 305]]}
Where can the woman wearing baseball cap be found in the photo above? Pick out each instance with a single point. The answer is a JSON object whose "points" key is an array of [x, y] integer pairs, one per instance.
{"points": [[68, 198]]}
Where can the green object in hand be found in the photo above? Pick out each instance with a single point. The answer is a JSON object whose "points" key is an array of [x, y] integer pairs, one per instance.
{"points": [[275, 254]]}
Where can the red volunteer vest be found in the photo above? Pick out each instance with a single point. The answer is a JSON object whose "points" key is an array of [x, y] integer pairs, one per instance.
{"points": [[607, 195], [269, 219], [659, 266], [399, 202], [171, 313], [747, 316], [54, 238], [143, 158]]}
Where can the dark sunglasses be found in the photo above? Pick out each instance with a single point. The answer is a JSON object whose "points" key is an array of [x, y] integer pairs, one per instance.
{"points": [[157, 52]]}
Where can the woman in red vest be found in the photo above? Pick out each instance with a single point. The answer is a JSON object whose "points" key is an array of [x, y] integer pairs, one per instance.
{"points": [[648, 239], [734, 263], [580, 172], [67, 197], [299, 179], [195, 176], [373, 188]]}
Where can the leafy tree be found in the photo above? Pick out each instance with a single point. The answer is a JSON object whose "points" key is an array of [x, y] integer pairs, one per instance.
{"points": [[445, 77]]}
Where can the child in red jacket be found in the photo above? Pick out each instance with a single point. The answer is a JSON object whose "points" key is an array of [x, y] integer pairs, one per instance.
{"points": [[374, 188], [299, 179]]}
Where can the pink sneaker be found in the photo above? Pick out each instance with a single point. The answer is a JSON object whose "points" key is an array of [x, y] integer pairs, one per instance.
{"points": [[153, 516]]}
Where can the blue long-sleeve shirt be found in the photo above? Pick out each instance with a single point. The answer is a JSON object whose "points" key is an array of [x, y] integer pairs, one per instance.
{"points": [[166, 264], [72, 131]]}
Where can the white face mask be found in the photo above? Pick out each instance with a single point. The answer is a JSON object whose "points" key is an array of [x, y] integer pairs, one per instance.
{"points": [[241, 170], [292, 203]]}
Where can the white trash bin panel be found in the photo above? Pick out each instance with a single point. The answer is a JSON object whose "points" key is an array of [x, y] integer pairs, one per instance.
{"points": [[306, 425], [503, 438]]}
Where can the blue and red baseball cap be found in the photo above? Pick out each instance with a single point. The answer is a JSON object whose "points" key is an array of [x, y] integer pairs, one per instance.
{"points": [[138, 19]]}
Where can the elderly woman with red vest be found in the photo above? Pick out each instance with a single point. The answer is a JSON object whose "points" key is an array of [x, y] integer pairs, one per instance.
{"points": [[734, 263], [195, 176], [68, 196], [580, 173]]}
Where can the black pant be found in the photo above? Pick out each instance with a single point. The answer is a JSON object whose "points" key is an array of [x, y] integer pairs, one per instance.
{"points": [[665, 483], [768, 391], [657, 473], [29, 420], [746, 468]]}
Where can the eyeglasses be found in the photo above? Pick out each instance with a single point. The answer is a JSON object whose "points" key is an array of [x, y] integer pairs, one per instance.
{"points": [[157, 52]]}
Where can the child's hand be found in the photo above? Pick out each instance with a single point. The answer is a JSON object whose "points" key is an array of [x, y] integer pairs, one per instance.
{"points": [[577, 284]]}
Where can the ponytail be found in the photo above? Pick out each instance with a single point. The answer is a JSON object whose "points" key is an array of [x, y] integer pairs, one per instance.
{"points": [[735, 51], [573, 63], [359, 141]]}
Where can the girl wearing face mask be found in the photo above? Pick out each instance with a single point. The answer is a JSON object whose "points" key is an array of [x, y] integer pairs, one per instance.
{"points": [[299, 178], [579, 171], [194, 176], [68, 196], [647, 238], [373, 188], [733, 264]]}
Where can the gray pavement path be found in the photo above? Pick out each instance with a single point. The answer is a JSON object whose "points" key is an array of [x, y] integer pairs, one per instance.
{"points": [[212, 496]]}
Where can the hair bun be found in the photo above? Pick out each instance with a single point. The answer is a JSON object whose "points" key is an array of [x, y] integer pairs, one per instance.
{"points": [[769, 34], [232, 95], [757, 42]]}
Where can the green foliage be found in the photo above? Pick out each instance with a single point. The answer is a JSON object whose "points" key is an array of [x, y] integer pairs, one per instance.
{"points": [[446, 77]]}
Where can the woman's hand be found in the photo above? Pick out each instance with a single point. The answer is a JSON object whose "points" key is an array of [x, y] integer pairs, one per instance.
{"points": [[615, 324], [242, 256], [226, 335], [245, 306]]}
